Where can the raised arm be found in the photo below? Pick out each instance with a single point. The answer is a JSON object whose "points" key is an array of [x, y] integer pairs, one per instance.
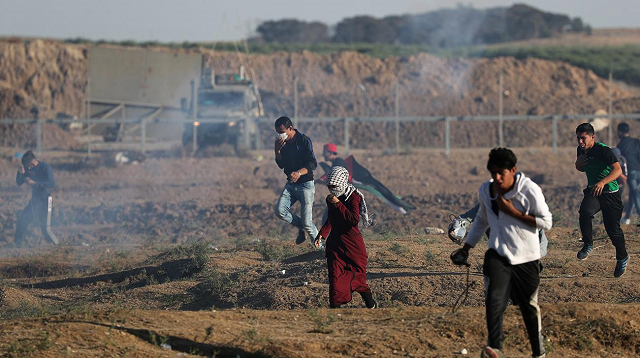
{"points": [[20, 176], [350, 211], [279, 143]]}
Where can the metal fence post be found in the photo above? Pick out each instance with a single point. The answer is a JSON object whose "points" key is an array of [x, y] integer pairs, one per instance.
{"points": [[123, 116], [295, 101], [447, 135], [88, 136], [88, 117], [196, 118], [610, 109], [500, 119], [195, 136], [554, 124], [397, 110], [38, 137], [346, 136], [258, 137], [143, 135]]}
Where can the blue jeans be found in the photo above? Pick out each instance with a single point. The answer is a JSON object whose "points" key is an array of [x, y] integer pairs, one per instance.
{"points": [[304, 193], [633, 179]]}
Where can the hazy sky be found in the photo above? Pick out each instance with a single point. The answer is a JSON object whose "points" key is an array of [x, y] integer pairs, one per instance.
{"points": [[206, 20]]}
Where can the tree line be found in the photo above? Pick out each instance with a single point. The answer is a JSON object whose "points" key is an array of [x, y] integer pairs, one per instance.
{"points": [[461, 26]]}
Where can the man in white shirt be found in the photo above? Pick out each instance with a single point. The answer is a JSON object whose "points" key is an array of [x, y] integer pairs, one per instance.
{"points": [[513, 207]]}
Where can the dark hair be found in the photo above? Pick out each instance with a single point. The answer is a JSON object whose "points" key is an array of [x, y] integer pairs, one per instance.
{"points": [[623, 128], [585, 128], [27, 158], [284, 121], [501, 158]]}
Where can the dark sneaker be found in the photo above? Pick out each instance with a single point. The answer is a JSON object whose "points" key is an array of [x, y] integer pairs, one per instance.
{"points": [[488, 352], [584, 251], [621, 267], [375, 305], [301, 237]]}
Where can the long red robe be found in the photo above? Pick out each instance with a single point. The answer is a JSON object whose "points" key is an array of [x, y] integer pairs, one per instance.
{"points": [[345, 251]]}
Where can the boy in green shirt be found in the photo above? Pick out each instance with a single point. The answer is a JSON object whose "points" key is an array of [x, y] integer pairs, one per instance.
{"points": [[602, 193]]}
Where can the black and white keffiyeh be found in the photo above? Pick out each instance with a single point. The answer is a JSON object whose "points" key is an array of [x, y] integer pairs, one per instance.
{"points": [[338, 179]]}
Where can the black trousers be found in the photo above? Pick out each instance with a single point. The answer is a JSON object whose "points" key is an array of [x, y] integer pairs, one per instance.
{"points": [[520, 282], [611, 206], [40, 211]]}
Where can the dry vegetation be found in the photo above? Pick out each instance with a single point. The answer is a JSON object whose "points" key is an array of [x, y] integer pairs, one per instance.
{"points": [[157, 260]]}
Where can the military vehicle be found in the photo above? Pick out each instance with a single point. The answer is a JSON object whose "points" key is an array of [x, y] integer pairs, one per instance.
{"points": [[224, 109], [154, 86]]}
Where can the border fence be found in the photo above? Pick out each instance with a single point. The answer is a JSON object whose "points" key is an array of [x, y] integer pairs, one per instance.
{"points": [[441, 127]]}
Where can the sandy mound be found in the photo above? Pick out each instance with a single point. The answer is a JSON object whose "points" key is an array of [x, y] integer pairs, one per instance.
{"points": [[40, 79], [429, 85], [24, 136]]}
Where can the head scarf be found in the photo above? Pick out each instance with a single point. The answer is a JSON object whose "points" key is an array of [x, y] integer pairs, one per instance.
{"points": [[339, 177]]}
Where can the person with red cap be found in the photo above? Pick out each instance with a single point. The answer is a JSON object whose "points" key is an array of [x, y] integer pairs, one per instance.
{"points": [[330, 154], [361, 178]]}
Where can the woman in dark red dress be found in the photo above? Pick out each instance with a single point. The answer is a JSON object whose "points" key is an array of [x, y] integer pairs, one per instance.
{"points": [[345, 250]]}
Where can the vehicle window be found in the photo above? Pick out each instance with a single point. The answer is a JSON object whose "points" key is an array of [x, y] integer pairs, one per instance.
{"points": [[222, 99]]}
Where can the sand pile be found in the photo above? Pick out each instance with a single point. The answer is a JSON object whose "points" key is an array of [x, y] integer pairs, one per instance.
{"points": [[24, 136], [353, 84], [42, 79]]}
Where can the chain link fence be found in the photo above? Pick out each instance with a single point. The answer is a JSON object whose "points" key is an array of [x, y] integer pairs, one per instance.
{"points": [[392, 133]]}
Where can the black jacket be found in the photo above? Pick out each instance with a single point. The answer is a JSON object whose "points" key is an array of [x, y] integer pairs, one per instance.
{"points": [[297, 154], [630, 149], [42, 174]]}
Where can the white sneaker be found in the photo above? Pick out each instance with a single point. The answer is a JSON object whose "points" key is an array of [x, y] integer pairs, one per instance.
{"points": [[624, 221]]}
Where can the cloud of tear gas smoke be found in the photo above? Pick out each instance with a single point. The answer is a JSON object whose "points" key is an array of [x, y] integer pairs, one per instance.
{"points": [[466, 26]]}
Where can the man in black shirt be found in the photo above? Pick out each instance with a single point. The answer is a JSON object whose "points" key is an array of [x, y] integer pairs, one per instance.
{"points": [[39, 176], [602, 193], [630, 150], [330, 154], [294, 154]]}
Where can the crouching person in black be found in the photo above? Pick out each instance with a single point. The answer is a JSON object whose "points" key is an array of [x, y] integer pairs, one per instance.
{"points": [[39, 176]]}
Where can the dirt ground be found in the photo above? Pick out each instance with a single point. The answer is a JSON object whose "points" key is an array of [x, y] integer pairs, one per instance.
{"points": [[184, 256]]}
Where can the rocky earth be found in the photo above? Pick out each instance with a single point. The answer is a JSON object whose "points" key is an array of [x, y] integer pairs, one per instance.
{"points": [[185, 256], [46, 79]]}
